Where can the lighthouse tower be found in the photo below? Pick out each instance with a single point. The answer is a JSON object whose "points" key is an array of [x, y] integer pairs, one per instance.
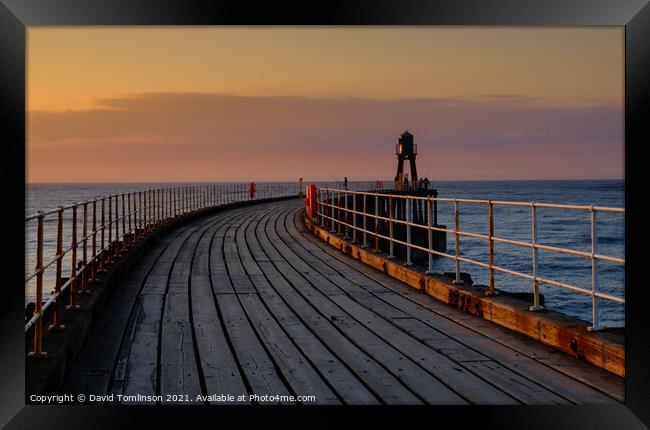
{"points": [[406, 150]]}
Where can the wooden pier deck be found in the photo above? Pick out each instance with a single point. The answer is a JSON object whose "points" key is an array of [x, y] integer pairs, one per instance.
{"points": [[248, 301]]}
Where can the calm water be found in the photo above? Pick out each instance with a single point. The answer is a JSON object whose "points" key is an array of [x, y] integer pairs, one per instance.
{"points": [[563, 228]]}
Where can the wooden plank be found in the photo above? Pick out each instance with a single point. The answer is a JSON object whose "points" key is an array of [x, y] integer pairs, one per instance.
{"points": [[140, 377], [297, 371], [342, 381], [178, 369], [452, 374], [379, 380], [408, 371], [521, 388], [119, 374], [220, 371], [218, 272], [221, 374], [258, 368], [290, 362], [93, 368], [179, 372], [155, 284]]}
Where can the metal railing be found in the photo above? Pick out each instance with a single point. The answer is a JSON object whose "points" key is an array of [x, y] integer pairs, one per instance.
{"points": [[334, 214], [109, 226]]}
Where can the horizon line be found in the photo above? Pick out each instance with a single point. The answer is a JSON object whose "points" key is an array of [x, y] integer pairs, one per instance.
{"points": [[321, 180]]}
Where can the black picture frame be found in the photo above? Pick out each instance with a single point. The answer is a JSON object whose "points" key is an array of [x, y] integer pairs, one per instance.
{"points": [[16, 15]]}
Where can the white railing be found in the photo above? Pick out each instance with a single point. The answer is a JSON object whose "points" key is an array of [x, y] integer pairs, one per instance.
{"points": [[111, 224], [334, 214]]}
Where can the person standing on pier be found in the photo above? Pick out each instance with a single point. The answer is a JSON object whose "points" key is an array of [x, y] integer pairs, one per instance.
{"points": [[345, 182]]}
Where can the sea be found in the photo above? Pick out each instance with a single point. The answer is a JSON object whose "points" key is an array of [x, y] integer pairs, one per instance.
{"points": [[555, 227]]}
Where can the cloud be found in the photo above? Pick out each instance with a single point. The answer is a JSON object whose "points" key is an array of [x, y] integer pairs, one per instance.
{"points": [[282, 137]]}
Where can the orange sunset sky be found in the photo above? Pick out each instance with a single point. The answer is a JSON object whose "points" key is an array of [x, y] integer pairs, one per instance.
{"points": [[170, 104]]}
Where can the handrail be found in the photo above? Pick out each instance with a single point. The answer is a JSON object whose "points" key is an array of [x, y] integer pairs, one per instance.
{"points": [[110, 225], [333, 213]]}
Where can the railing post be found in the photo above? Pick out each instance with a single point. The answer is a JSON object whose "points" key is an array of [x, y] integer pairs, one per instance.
{"points": [[84, 255], [124, 238], [595, 322], [154, 209], [321, 195], [147, 210], [365, 221], [435, 208], [390, 226], [73, 262], [93, 271], [354, 217], [38, 309], [409, 219], [131, 236], [491, 291], [376, 223], [429, 237], [332, 219], [117, 228], [110, 227], [144, 212], [150, 210], [457, 280], [157, 207], [162, 205], [347, 214], [102, 254], [57, 317], [338, 211], [140, 214], [533, 230]]}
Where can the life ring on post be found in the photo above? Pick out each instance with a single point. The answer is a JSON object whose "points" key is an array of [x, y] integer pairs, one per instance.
{"points": [[251, 190]]}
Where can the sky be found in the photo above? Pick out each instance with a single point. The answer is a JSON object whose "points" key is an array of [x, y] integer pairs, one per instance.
{"points": [[171, 104]]}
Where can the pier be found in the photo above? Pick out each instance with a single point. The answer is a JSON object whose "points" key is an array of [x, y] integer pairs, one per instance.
{"points": [[241, 297]]}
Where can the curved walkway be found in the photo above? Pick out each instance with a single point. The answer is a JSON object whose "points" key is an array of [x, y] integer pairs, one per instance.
{"points": [[249, 302]]}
